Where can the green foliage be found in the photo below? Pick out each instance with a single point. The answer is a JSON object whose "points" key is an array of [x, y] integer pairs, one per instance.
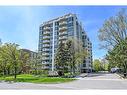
{"points": [[11, 59], [97, 65], [100, 66], [60, 57], [113, 36], [118, 56], [113, 30], [36, 64], [36, 79], [70, 55], [76, 54]]}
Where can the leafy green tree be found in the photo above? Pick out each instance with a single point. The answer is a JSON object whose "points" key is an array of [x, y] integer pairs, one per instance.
{"points": [[14, 57], [118, 56], [25, 60], [4, 58], [11, 59], [97, 65], [113, 30], [113, 36], [75, 54]]}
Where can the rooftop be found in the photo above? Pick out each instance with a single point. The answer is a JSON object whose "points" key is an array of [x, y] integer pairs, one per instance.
{"points": [[58, 18]]}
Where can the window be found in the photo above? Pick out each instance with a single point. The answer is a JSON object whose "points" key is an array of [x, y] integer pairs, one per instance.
{"points": [[70, 31], [70, 24], [70, 19], [84, 65], [56, 23]]}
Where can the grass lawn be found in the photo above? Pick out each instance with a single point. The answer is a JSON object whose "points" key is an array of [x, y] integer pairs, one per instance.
{"points": [[37, 79]]}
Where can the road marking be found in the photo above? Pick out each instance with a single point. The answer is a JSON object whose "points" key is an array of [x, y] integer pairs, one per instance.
{"points": [[119, 76]]}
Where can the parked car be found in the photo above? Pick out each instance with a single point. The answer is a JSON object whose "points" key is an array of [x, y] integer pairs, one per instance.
{"points": [[114, 70]]}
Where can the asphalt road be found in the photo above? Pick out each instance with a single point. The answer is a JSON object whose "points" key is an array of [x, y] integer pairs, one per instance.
{"points": [[92, 81]]}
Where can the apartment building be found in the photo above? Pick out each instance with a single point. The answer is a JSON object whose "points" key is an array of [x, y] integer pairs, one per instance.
{"points": [[87, 64], [60, 29], [32, 54], [0, 42]]}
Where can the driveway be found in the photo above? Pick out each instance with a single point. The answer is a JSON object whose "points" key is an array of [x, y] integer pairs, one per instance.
{"points": [[92, 81]]}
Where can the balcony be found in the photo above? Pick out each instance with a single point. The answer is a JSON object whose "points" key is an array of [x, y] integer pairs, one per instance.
{"points": [[46, 58], [46, 33], [46, 67], [46, 37], [46, 45], [63, 41], [63, 38], [45, 54], [45, 49], [46, 28], [45, 63], [61, 29], [63, 33], [62, 23], [46, 41], [62, 19]]}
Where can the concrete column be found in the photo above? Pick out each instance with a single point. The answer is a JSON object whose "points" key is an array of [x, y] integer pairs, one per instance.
{"points": [[53, 45]]}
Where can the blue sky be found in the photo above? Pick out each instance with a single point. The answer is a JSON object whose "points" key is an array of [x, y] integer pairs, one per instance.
{"points": [[20, 24]]}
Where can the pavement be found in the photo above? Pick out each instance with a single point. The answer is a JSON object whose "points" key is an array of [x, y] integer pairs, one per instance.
{"points": [[90, 81]]}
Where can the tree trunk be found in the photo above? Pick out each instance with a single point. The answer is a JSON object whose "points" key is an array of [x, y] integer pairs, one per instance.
{"points": [[4, 71], [15, 72], [8, 71], [35, 71]]}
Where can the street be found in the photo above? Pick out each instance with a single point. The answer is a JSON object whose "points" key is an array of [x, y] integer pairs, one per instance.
{"points": [[92, 81]]}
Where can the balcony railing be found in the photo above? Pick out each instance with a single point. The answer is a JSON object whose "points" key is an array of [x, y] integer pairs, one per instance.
{"points": [[63, 38], [63, 41], [62, 23], [44, 53], [62, 19], [46, 41], [47, 28], [46, 37], [46, 58], [46, 49], [46, 33], [46, 45], [62, 29], [62, 33]]}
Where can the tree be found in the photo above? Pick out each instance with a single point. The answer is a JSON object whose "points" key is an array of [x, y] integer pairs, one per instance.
{"points": [[75, 54], [97, 65], [4, 58], [113, 36], [14, 56], [60, 57], [113, 30], [11, 59], [25, 60], [36, 63], [118, 56]]}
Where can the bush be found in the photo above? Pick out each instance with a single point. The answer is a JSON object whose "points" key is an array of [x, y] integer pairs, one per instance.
{"points": [[60, 73], [53, 74]]}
